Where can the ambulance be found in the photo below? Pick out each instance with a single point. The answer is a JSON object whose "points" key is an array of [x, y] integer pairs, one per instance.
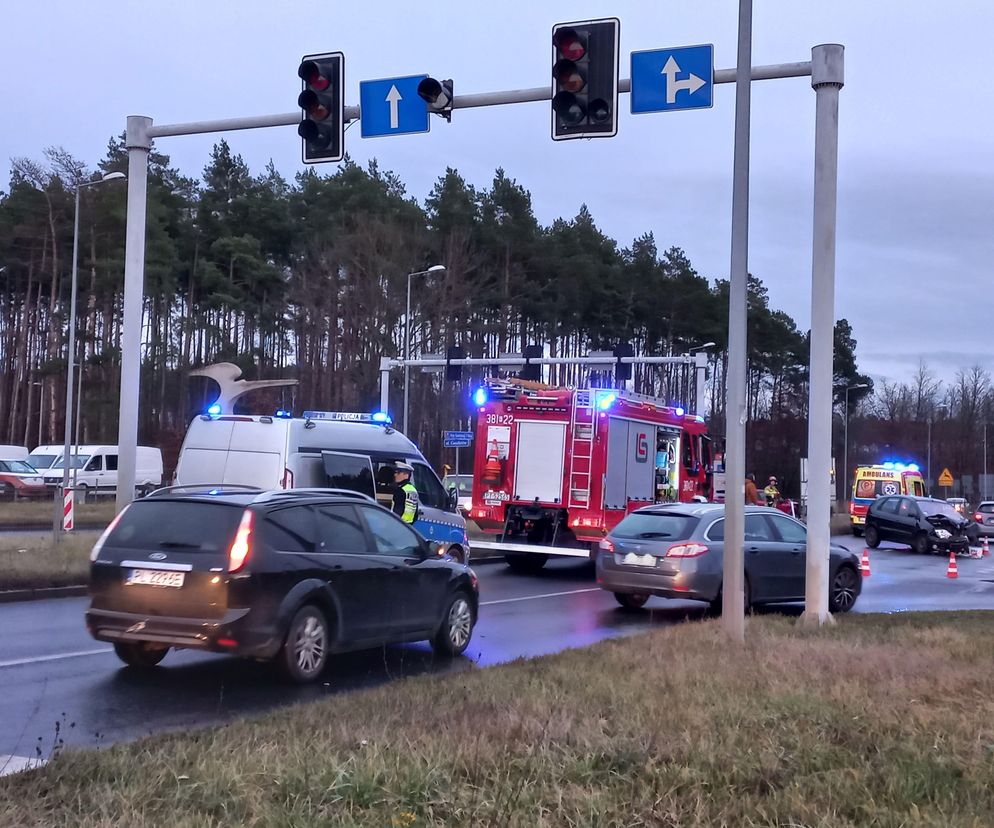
{"points": [[881, 480]]}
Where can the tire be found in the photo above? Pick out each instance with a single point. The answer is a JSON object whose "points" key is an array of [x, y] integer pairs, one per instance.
{"points": [[857, 532], [7, 492], [140, 654], [844, 591], [715, 605], [872, 536], [456, 629], [920, 544], [525, 564], [631, 600], [305, 649], [458, 554]]}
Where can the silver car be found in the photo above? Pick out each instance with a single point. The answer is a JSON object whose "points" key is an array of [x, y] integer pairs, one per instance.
{"points": [[984, 515], [676, 551]]}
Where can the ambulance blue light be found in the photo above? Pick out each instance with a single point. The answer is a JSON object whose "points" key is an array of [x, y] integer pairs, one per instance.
{"points": [[679, 412], [480, 396], [913, 467], [889, 466], [605, 402], [381, 417], [900, 466], [214, 410]]}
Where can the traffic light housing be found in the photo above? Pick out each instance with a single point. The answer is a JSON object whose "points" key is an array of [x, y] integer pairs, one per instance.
{"points": [[531, 371], [322, 99], [585, 79], [623, 370], [453, 373], [438, 95]]}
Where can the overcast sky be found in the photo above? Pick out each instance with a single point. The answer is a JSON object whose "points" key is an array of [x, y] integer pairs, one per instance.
{"points": [[916, 163]]}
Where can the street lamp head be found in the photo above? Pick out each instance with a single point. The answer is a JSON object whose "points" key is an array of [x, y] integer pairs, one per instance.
{"points": [[435, 269], [113, 176], [858, 385], [703, 347]]}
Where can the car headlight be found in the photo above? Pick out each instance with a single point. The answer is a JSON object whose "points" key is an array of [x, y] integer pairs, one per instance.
{"points": [[943, 534]]}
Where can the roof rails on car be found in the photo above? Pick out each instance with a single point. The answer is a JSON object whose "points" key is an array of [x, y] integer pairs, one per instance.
{"points": [[207, 488], [312, 492]]}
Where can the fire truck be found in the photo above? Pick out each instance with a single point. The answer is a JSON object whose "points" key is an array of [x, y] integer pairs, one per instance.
{"points": [[557, 468]]}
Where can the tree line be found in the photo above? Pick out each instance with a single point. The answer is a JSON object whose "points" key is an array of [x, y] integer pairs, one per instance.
{"points": [[307, 279]]}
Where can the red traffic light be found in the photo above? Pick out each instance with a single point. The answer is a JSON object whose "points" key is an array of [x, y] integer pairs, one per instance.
{"points": [[322, 125], [310, 73], [569, 43]]}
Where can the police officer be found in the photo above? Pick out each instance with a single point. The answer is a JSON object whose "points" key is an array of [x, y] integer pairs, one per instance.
{"points": [[405, 496]]}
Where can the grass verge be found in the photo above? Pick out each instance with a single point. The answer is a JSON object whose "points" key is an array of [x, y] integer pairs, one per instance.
{"points": [[882, 720], [39, 513], [33, 561]]}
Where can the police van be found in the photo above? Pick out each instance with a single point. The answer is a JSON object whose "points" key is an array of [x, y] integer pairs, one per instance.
{"points": [[322, 449]]}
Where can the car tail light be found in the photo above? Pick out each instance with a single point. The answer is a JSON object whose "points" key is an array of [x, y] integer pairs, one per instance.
{"points": [[852, 508], [95, 552], [686, 550], [242, 545], [979, 517], [606, 545]]}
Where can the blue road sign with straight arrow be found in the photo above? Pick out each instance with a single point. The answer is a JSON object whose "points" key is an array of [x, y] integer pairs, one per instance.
{"points": [[667, 79], [392, 106]]}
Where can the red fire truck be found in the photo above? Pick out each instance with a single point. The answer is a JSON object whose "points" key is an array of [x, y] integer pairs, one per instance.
{"points": [[557, 468]]}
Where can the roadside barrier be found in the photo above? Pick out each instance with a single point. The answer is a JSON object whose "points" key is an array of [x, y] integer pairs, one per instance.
{"points": [[67, 509]]}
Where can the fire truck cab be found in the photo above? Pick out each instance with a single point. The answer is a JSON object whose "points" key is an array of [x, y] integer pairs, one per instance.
{"points": [[557, 468]]}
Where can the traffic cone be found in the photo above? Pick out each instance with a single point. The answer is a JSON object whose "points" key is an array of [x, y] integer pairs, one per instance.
{"points": [[864, 563], [987, 548], [952, 571], [492, 470]]}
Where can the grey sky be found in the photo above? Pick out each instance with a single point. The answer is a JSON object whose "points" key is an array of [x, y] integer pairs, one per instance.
{"points": [[916, 202]]}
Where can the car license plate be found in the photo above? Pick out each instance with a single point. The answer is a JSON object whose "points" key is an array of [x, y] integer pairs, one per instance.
{"points": [[632, 559], [155, 577]]}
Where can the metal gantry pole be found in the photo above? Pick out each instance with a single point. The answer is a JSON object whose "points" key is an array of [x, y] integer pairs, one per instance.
{"points": [[701, 373], [826, 80], [138, 145], [733, 599], [845, 451], [407, 352]]}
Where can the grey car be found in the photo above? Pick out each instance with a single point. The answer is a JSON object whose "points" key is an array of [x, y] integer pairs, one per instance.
{"points": [[676, 551], [984, 515]]}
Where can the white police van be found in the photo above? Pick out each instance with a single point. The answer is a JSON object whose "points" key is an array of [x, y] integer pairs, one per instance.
{"points": [[322, 449]]}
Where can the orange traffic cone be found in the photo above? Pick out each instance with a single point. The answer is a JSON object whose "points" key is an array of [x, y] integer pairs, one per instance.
{"points": [[987, 548], [491, 471], [952, 571], [864, 563]]}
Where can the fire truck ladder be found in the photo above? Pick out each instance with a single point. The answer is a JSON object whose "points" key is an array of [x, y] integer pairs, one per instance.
{"points": [[581, 450]]}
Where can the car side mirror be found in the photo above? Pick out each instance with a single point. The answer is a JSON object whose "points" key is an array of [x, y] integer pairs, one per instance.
{"points": [[453, 498]]}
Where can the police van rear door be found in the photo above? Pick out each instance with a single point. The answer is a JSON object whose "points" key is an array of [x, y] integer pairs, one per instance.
{"points": [[353, 472]]}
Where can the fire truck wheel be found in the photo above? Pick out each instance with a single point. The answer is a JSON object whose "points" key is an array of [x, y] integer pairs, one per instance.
{"points": [[631, 601], [526, 564]]}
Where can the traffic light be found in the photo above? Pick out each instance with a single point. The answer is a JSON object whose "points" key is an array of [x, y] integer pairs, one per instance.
{"points": [[322, 125], [531, 371], [585, 79], [438, 95], [623, 370], [453, 373]]}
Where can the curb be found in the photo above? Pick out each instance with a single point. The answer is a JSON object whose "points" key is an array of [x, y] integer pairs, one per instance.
{"points": [[10, 596], [13, 528]]}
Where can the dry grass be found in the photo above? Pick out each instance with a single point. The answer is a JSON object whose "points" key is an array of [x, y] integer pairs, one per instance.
{"points": [[884, 721], [32, 560], [40, 512]]}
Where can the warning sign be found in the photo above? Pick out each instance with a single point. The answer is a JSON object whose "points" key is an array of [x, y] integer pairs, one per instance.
{"points": [[946, 478]]}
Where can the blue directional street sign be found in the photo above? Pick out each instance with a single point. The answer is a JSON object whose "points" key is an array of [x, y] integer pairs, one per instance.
{"points": [[667, 79], [392, 106], [457, 439]]}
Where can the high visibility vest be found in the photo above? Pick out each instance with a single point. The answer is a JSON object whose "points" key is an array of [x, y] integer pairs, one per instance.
{"points": [[411, 503]]}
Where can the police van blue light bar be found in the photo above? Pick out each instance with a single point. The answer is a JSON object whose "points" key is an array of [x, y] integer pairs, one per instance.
{"points": [[214, 410], [283, 414], [380, 417]]}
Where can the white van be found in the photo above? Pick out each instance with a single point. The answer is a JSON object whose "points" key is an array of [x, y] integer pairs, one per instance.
{"points": [[42, 457], [13, 453], [93, 469], [320, 450]]}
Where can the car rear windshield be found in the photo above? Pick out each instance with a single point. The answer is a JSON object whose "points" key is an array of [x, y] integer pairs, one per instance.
{"points": [[986, 508], [656, 525], [191, 526]]}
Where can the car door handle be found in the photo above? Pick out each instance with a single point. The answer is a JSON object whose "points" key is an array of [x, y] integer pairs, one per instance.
{"points": [[752, 549], [797, 550]]}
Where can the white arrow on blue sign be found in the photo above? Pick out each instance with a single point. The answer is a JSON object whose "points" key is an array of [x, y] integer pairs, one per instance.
{"points": [[668, 79], [392, 106]]}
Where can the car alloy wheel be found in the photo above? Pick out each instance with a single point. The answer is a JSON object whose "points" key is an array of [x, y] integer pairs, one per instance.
{"points": [[460, 623], [306, 648], [844, 589]]}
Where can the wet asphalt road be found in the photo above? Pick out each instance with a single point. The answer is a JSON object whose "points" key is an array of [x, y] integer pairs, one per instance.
{"points": [[56, 682]]}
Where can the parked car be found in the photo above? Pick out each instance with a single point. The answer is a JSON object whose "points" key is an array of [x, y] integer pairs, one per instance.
{"points": [[463, 484], [289, 576], [923, 523], [959, 504], [984, 516], [42, 457], [19, 479], [93, 469], [677, 551]]}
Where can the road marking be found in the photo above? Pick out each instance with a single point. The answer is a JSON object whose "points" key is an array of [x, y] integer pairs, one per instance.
{"points": [[17, 662], [532, 597]]}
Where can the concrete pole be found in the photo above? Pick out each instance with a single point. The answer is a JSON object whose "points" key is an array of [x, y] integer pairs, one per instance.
{"points": [[385, 366], [827, 80], [138, 144], [733, 613], [407, 354]]}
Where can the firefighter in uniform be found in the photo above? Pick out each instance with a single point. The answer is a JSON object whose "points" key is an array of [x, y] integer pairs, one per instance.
{"points": [[405, 496], [772, 492]]}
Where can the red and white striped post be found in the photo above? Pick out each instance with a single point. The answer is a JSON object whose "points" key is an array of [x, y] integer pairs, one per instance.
{"points": [[68, 502]]}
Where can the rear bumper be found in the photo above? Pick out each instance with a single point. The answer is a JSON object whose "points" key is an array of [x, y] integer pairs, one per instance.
{"points": [[697, 586], [190, 633]]}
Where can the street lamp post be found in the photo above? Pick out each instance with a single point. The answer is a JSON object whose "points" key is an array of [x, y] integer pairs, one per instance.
{"points": [[700, 375], [845, 441], [71, 356], [928, 447], [984, 487], [407, 337]]}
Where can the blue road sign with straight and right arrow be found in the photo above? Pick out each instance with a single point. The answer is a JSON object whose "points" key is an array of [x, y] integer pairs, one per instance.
{"points": [[457, 439], [392, 106], [667, 79]]}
